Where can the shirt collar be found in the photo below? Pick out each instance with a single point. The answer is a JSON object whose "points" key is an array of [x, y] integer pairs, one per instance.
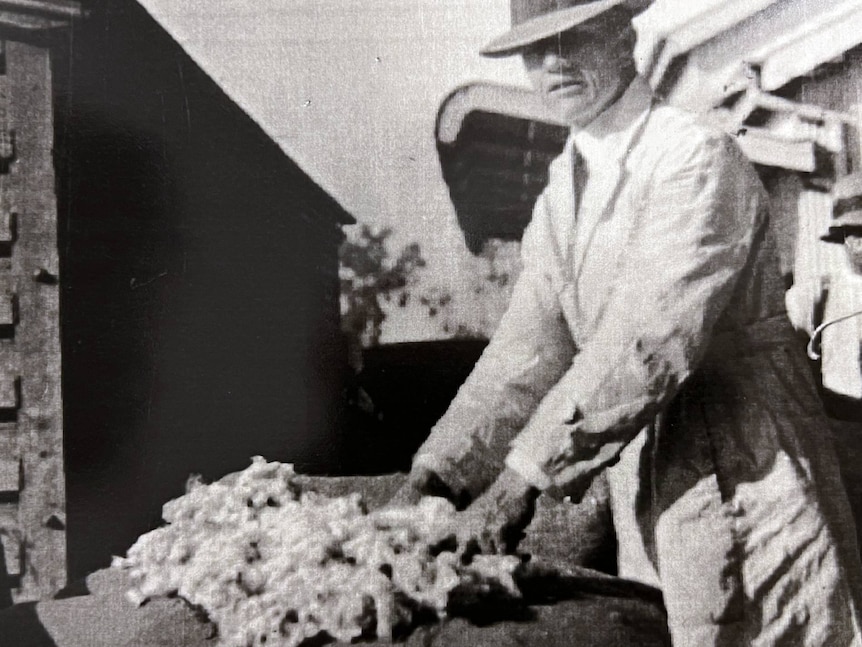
{"points": [[608, 136]]}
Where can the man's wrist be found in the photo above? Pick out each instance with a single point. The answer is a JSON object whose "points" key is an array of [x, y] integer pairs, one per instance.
{"points": [[513, 486], [523, 464]]}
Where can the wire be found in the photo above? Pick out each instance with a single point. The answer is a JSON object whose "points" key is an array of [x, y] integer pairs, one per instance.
{"points": [[814, 354]]}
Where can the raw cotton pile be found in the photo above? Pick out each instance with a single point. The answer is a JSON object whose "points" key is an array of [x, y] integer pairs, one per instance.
{"points": [[274, 566]]}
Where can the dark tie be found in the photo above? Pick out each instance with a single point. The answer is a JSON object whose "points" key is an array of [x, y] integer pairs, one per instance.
{"points": [[579, 179]]}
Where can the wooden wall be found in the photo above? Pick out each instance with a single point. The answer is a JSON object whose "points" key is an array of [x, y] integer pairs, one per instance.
{"points": [[837, 86], [32, 504], [199, 290]]}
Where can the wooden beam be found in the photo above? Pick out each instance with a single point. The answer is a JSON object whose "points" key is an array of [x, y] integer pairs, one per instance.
{"points": [[50, 8]]}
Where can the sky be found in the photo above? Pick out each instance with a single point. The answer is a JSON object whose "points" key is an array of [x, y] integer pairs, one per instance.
{"points": [[350, 90]]}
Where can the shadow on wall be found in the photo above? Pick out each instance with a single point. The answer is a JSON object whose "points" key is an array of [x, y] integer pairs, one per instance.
{"points": [[199, 286], [411, 386]]}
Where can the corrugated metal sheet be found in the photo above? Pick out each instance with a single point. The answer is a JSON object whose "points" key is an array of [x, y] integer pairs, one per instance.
{"points": [[495, 145], [700, 57], [819, 39], [673, 28], [54, 8], [38, 14], [840, 90], [725, 58], [763, 147]]}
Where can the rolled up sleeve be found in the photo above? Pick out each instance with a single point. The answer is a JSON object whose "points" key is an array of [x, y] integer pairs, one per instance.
{"points": [[691, 240]]}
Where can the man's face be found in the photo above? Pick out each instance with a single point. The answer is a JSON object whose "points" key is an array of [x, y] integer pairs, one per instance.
{"points": [[580, 72]]}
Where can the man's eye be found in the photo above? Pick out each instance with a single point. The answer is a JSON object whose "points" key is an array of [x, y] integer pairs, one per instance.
{"points": [[532, 56], [581, 43]]}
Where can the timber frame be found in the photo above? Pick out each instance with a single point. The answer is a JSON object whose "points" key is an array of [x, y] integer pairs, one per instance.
{"points": [[32, 477]]}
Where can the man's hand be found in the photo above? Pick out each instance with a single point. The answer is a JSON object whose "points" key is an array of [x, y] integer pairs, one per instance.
{"points": [[420, 482], [494, 523], [412, 489]]}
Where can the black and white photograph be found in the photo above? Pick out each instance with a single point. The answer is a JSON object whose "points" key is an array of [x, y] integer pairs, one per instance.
{"points": [[441, 323]]}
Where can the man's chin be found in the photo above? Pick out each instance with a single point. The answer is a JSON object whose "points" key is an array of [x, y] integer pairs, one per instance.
{"points": [[571, 112], [579, 117], [565, 111]]}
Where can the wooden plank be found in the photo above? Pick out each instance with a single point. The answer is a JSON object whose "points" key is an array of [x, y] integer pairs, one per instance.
{"points": [[763, 147], [7, 310], [11, 543], [12, 553], [10, 476], [7, 226], [9, 393]]}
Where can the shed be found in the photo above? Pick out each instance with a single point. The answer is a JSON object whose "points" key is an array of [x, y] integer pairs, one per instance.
{"points": [[199, 284], [785, 78], [32, 497], [495, 145], [182, 262]]}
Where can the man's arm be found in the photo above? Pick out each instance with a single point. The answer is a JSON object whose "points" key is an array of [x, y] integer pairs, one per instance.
{"points": [[529, 352], [692, 242]]}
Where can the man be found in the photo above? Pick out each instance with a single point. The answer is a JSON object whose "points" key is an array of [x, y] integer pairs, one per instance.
{"points": [[825, 301], [647, 337], [846, 226]]}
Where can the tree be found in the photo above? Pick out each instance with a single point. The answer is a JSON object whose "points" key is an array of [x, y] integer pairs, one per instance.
{"points": [[473, 308], [370, 276], [373, 282]]}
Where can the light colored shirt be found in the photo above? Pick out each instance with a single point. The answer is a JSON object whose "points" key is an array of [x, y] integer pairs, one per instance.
{"points": [[615, 305], [647, 335]]}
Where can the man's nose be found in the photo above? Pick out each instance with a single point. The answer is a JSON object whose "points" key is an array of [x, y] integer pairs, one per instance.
{"points": [[551, 60]]}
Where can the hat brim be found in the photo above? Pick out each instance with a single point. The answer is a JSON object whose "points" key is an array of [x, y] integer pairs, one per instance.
{"points": [[542, 27]]}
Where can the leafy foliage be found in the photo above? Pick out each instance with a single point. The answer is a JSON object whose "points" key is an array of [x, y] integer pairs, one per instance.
{"points": [[374, 281], [474, 308], [370, 276]]}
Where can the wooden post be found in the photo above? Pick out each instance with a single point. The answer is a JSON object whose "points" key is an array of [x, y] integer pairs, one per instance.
{"points": [[32, 480]]}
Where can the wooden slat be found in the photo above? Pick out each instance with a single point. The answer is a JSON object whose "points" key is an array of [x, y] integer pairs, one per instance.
{"points": [[11, 544], [763, 147], [7, 226], [10, 475], [12, 554], [7, 310], [9, 399], [8, 317]]}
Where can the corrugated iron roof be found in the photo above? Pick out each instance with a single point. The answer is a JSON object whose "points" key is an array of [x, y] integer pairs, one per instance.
{"points": [[811, 43], [495, 145], [700, 56], [38, 14], [676, 27], [53, 8], [773, 131], [725, 57]]}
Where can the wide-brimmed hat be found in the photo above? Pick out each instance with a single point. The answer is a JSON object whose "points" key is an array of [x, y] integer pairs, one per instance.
{"points": [[535, 20], [846, 207]]}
